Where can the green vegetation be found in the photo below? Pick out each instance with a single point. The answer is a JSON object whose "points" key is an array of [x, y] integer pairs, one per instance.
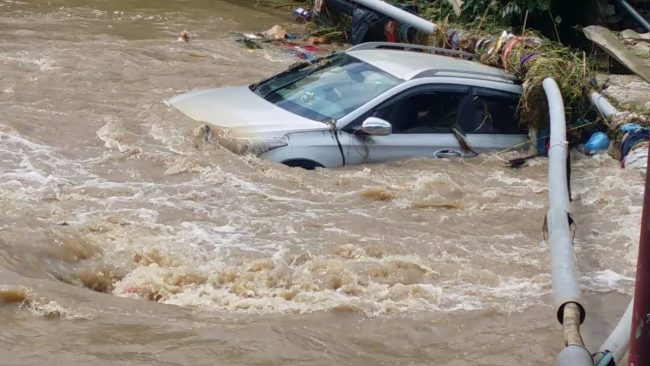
{"points": [[499, 12]]}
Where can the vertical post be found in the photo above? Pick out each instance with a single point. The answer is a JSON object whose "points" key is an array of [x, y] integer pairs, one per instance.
{"points": [[640, 335]]}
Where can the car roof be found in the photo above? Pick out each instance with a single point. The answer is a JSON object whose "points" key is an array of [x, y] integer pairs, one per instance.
{"points": [[407, 65]]}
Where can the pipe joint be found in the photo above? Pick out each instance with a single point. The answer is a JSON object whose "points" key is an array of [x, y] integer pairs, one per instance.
{"points": [[581, 311]]}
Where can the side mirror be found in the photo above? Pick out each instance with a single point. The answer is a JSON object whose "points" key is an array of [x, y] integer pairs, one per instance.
{"points": [[374, 126]]}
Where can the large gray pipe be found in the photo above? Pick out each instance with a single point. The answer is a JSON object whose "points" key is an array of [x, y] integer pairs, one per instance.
{"points": [[563, 268], [566, 291], [400, 15], [603, 105], [558, 150], [574, 356], [619, 341]]}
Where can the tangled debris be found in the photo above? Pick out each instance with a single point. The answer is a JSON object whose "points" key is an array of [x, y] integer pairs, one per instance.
{"points": [[531, 58]]}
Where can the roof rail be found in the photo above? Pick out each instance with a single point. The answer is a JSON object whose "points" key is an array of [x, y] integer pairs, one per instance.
{"points": [[435, 72], [411, 47]]}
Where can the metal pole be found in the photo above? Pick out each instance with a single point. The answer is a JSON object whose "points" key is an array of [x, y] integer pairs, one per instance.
{"points": [[639, 18], [640, 335]]}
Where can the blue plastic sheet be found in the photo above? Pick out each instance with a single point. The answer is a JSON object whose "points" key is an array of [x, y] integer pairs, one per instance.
{"points": [[630, 127], [599, 141]]}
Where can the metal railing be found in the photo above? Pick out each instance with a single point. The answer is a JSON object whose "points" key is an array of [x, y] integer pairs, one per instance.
{"points": [[410, 47]]}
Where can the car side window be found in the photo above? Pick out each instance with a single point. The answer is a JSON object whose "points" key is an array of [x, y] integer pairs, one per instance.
{"points": [[490, 112], [422, 109], [428, 112]]}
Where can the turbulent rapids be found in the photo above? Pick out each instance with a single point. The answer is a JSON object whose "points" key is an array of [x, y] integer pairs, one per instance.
{"points": [[128, 238]]}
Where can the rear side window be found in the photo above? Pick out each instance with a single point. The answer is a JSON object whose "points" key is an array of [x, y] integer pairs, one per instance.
{"points": [[486, 111]]}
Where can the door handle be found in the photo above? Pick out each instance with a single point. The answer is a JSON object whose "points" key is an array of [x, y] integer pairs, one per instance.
{"points": [[448, 153]]}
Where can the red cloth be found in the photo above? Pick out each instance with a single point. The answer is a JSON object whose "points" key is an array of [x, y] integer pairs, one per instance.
{"points": [[390, 31]]}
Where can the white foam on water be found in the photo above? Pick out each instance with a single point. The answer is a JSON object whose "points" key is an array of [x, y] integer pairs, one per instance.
{"points": [[290, 281], [114, 138], [23, 58], [608, 281], [244, 235], [194, 262], [500, 176], [26, 299], [53, 309]]}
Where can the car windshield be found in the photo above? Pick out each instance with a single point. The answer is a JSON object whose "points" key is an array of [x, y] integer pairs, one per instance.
{"points": [[327, 89]]}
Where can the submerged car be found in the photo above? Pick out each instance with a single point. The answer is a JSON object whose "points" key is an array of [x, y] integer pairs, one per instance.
{"points": [[371, 103]]}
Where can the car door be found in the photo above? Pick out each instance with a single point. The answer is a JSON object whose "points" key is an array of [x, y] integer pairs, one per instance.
{"points": [[489, 120], [422, 119]]}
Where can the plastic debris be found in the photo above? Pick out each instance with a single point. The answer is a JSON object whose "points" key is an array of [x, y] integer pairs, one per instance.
{"points": [[637, 158], [277, 37], [599, 141], [390, 30], [304, 52], [275, 33], [184, 36], [634, 137], [318, 40], [630, 127], [623, 118], [248, 40], [302, 14]]}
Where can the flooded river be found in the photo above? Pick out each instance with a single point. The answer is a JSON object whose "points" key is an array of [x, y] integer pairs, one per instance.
{"points": [[125, 239]]}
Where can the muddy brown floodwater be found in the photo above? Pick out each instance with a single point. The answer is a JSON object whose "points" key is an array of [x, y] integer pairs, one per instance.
{"points": [[124, 240]]}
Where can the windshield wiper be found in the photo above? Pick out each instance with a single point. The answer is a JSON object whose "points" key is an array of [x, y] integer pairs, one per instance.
{"points": [[323, 64], [295, 67], [318, 63]]}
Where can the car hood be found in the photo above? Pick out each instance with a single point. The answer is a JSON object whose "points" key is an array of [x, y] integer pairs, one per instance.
{"points": [[241, 111]]}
